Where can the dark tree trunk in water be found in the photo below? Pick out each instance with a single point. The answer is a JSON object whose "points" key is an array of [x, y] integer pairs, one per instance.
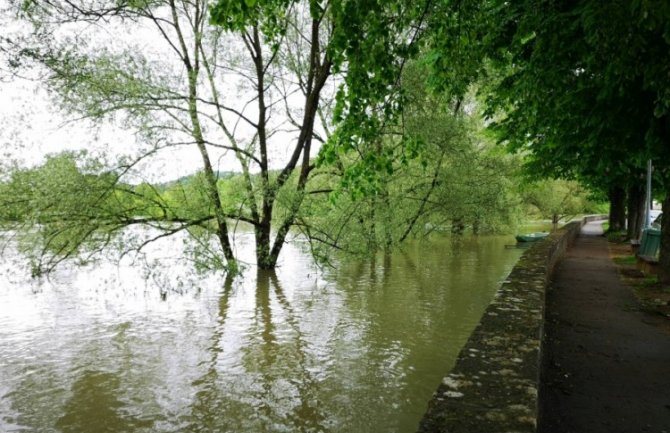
{"points": [[617, 198], [636, 201], [664, 256], [263, 257], [457, 226]]}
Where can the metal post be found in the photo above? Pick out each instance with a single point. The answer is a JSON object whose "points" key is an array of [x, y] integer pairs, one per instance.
{"points": [[647, 206]]}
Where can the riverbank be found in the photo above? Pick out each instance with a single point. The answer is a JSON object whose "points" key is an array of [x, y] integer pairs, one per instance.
{"points": [[493, 387], [606, 362]]}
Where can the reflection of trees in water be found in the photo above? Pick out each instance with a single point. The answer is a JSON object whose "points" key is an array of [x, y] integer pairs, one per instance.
{"points": [[77, 396], [412, 311], [275, 388], [296, 364], [207, 412], [95, 406], [34, 399], [380, 273], [305, 415], [101, 400]]}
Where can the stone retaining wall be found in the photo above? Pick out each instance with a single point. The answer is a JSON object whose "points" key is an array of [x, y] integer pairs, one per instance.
{"points": [[493, 386]]}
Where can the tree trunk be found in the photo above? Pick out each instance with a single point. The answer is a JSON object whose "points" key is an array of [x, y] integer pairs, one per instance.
{"points": [[636, 199], [664, 256], [266, 257], [192, 67], [388, 224], [372, 227], [617, 209], [457, 226]]}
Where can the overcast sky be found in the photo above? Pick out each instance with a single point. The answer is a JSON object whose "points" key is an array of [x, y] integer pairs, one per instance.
{"points": [[33, 127]]}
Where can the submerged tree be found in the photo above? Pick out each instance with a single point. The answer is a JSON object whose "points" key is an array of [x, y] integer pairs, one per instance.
{"points": [[61, 211], [257, 87], [451, 178]]}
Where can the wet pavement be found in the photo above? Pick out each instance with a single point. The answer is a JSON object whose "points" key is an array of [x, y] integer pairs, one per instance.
{"points": [[606, 367]]}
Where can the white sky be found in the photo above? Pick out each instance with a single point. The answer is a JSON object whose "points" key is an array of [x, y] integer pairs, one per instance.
{"points": [[33, 126]]}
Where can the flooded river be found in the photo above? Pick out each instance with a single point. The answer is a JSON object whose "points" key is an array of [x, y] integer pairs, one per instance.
{"points": [[355, 349]]}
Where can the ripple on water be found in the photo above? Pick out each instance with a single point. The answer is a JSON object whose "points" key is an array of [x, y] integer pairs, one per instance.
{"points": [[301, 350]]}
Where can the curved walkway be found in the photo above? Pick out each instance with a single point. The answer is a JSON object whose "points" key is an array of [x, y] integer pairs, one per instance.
{"points": [[606, 367]]}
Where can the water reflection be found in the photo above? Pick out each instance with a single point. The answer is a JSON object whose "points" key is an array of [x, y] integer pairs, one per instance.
{"points": [[305, 415], [207, 409], [359, 348], [33, 400], [96, 406]]}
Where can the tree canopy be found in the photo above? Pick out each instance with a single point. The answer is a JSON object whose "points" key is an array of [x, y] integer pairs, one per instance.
{"points": [[579, 85], [247, 81], [324, 104]]}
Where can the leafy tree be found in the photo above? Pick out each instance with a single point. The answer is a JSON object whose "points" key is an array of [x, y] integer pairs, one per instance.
{"points": [[64, 207], [454, 179], [260, 82], [581, 89], [557, 199]]}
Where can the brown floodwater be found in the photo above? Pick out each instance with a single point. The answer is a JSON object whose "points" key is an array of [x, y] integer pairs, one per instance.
{"points": [[152, 347]]}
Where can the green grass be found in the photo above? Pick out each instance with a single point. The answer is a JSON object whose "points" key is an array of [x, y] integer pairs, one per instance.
{"points": [[620, 236], [625, 260], [649, 281], [606, 226]]}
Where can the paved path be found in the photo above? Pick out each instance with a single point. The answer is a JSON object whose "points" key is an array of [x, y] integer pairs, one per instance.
{"points": [[607, 368]]}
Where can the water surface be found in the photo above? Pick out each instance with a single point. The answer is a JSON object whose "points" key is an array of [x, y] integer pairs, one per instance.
{"points": [[355, 349]]}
